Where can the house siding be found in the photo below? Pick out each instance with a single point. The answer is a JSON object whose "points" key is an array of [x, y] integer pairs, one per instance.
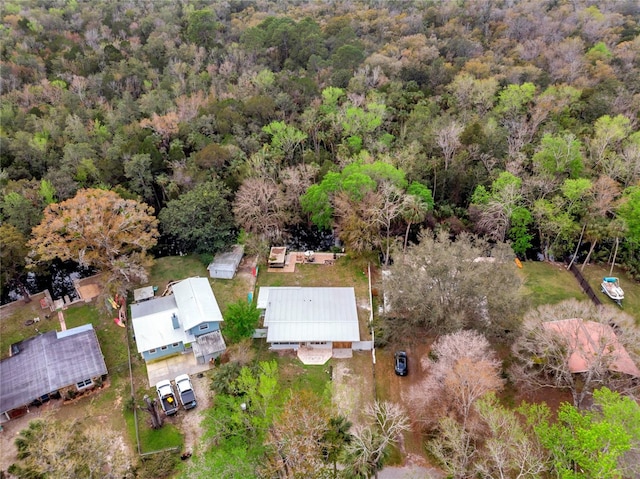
{"points": [[160, 353], [211, 326]]}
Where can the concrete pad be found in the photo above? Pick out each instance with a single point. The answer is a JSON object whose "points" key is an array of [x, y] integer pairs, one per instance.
{"points": [[342, 353], [173, 366], [315, 356]]}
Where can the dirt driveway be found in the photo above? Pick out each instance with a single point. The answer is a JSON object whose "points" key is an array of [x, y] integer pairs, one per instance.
{"points": [[189, 421]]}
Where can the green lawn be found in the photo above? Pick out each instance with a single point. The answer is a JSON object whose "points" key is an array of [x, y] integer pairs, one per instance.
{"points": [[175, 268], [151, 440], [297, 376], [549, 283], [344, 272]]}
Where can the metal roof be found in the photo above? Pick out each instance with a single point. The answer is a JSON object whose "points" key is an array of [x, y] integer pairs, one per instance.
{"points": [[192, 302], [153, 306], [196, 302], [311, 315], [141, 294], [263, 294], [152, 324], [210, 343], [228, 260], [48, 362]]}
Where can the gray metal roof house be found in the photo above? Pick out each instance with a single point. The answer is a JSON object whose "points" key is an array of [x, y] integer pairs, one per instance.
{"points": [[47, 363], [296, 316], [225, 265]]}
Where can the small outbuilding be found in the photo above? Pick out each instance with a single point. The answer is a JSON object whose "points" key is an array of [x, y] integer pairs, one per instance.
{"points": [[277, 257], [225, 265]]}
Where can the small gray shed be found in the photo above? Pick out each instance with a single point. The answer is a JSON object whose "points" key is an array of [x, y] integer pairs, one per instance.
{"points": [[224, 265]]}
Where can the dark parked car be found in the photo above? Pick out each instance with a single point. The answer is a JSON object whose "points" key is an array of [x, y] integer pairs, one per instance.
{"points": [[402, 364]]}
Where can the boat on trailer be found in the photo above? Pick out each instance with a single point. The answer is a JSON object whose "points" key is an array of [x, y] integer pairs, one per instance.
{"points": [[611, 287]]}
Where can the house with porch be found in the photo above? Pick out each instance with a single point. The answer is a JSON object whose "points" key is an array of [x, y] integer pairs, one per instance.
{"points": [[187, 321], [54, 364], [323, 320]]}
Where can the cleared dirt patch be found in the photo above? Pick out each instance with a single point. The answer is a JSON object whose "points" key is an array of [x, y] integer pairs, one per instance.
{"points": [[353, 385]]}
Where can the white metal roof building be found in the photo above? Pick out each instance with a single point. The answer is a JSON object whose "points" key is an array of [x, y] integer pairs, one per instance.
{"points": [[196, 302], [224, 265], [310, 315], [170, 319], [152, 324]]}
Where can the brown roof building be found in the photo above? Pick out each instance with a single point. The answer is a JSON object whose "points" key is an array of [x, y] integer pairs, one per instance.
{"points": [[587, 340]]}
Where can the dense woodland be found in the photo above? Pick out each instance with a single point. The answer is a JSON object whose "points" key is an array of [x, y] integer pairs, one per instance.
{"points": [[476, 126], [513, 120]]}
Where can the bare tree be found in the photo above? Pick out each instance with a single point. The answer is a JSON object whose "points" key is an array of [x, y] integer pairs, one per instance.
{"points": [[574, 355], [260, 207], [453, 448], [152, 409], [494, 220], [448, 139], [462, 368], [294, 440], [388, 209], [366, 451], [509, 449], [500, 448], [296, 179], [355, 221]]}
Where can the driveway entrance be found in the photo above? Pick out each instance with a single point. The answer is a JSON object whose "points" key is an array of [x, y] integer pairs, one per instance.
{"points": [[174, 366]]}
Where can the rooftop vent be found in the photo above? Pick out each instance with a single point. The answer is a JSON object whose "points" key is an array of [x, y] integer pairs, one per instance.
{"points": [[174, 320]]}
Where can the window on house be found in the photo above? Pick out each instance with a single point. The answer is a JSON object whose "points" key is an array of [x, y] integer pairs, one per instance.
{"points": [[164, 348], [84, 384], [175, 345], [152, 351], [203, 327]]}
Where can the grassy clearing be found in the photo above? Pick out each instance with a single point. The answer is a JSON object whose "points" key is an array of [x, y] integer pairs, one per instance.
{"points": [[549, 283], [297, 376], [152, 440], [345, 271], [228, 291], [174, 268], [293, 374]]}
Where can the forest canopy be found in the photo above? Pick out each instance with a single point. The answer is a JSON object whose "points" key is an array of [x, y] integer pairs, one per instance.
{"points": [[520, 119]]}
